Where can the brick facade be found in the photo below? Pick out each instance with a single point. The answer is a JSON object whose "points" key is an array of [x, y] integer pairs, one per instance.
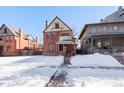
{"points": [[16, 42], [52, 35]]}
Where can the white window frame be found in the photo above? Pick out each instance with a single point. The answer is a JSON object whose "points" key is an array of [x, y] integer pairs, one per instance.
{"points": [[104, 28], [115, 28]]}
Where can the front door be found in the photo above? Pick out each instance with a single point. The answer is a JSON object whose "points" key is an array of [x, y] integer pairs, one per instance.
{"points": [[69, 48]]}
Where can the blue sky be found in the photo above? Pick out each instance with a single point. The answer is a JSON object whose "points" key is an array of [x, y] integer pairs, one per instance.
{"points": [[32, 19]]}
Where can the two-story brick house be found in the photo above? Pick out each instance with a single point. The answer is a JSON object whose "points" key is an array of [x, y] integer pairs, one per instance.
{"points": [[58, 38], [13, 41], [106, 36]]}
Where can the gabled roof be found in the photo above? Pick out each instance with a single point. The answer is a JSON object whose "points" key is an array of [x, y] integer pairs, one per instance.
{"points": [[86, 25], [53, 21], [12, 29], [27, 36], [15, 32]]}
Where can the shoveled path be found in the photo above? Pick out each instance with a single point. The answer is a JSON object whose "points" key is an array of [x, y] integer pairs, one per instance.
{"points": [[59, 77]]}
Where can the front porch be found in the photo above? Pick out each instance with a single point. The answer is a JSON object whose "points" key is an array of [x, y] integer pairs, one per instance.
{"points": [[69, 48], [105, 44]]}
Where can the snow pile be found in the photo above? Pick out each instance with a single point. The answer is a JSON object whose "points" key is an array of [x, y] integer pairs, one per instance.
{"points": [[95, 60], [122, 53]]}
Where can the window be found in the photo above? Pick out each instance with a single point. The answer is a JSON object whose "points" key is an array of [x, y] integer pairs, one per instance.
{"points": [[115, 28], [50, 48], [49, 36], [10, 39], [8, 48], [57, 25], [5, 30], [93, 30], [104, 28], [65, 34], [7, 39], [54, 35], [60, 47]]}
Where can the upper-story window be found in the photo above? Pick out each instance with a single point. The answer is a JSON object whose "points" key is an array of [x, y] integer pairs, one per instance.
{"points": [[115, 28], [65, 34], [56, 25], [93, 30], [5, 30], [10, 39], [104, 28], [7, 39], [54, 35], [49, 36]]}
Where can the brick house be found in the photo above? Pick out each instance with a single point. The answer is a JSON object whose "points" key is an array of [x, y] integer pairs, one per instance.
{"points": [[58, 38], [13, 41], [106, 36]]}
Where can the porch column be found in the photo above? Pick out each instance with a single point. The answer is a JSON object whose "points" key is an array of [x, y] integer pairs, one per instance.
{"points": [[110, 41], [91, 42]]}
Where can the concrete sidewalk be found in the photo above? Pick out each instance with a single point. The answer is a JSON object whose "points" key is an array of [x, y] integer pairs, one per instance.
{"points": [[119, 57]]}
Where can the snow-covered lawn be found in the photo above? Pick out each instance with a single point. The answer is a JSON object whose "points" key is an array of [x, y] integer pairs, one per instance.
{"points": [[95, 60], [95, 78], [37, 70], [28, 70]]}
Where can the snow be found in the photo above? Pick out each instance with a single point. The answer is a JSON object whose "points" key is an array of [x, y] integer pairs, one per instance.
{"points": [[95, 60], [122, 53], [95, 78], [28, 71], [37, 70], [7, 60]]}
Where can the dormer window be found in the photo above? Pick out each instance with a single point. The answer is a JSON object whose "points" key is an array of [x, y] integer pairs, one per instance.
{"points": [[56, 25], [5, 30]]}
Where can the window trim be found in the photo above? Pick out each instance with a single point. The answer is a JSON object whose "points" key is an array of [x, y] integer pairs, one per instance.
{"points": [[113, 28], [93, 30], [5, 31], [104, 27], [50, 47], [57, 25]]}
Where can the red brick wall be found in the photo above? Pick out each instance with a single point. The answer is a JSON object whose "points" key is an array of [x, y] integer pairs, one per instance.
{"points": [[9, 47], [52, 41]]}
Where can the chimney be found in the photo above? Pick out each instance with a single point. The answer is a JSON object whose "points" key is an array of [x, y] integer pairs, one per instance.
{"points": [[36, 41], [19, 39], [120, 8], [101, 20], [19, 31], [46, 24]]}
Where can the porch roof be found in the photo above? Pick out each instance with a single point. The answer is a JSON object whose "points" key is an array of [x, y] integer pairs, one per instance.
{"points": [[106, 34], [66, 42]]}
